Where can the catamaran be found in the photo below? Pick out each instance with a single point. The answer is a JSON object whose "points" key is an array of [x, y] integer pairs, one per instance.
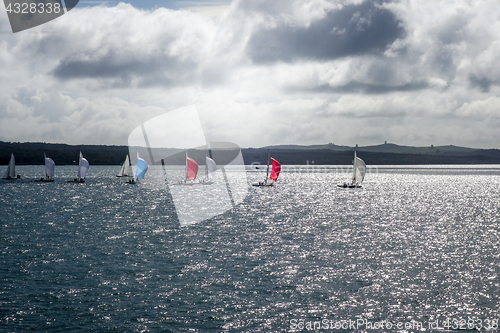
{"points": [[275, 172], [140, 171], [358, 173], [125, 169], [83, 167], [49, 170], [10, 173]]}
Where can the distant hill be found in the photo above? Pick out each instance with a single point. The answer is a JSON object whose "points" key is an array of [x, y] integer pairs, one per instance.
{"points": [[330, 146], [431, 150], [31, 153], [331, 157], [449, 150]]}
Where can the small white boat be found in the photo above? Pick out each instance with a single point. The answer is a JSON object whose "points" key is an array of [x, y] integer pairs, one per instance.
{"points": [[49, 170], [125, 169], [140, 171], [275, 172], [10, 173], [358, 173], [83, 167]]}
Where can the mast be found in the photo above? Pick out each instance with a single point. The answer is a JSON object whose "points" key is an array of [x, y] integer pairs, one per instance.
{"points": [[354, 168], [12, 167], [267, 172], [206, 164], [136, 167], [129, 166], [186, 165], [79, 165], [45, 162]]}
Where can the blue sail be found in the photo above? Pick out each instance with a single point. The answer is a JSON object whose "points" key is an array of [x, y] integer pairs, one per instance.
{"points": [[142, 168]]}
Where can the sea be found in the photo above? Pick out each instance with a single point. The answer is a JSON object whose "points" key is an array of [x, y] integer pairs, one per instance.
{"points": [[416, 249]]}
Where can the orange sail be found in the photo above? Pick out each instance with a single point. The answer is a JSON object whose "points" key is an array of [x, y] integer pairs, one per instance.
{"points": [[192, 168], [275, 172]]}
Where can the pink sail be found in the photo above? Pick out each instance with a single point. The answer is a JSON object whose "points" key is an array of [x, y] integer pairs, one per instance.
{"points": [[275, 172], [192, 168]]}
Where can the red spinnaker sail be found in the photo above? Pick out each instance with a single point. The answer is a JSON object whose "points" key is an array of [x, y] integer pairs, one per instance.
{"points": [[192, 168], [275, 172]]}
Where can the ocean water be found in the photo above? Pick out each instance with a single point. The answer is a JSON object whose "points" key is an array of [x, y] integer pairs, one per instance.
{"points": [[415, 246]]}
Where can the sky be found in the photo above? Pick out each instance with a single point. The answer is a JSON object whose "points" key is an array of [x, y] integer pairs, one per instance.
{"points": [[260, 72]]}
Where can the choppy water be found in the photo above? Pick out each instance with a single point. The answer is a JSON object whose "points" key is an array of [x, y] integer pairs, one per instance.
{"points": [[414, 245]]}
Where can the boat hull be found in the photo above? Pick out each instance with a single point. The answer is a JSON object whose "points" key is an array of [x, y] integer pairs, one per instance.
{"points": [[77, 181], [348, 186]]}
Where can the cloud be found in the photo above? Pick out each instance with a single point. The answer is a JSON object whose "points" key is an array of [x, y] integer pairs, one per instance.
{"points": [[354, 87], [125, 71], [263, 72], [481, 83], [352, 30], [127, 47], [50, 115]]}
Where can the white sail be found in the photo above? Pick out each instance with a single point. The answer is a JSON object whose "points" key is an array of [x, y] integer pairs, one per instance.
{"points": [[83, 167], [11, 168], [49, 166], [359, 170], [211, 167], [125, 170]]}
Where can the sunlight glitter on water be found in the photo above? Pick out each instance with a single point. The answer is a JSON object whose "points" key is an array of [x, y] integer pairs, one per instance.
{"points": [[415, 242]]}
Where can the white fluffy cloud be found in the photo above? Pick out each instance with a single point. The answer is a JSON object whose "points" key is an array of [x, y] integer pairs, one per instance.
{"points": [[262, 72]]}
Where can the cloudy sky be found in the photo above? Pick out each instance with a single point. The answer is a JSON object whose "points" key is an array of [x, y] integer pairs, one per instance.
{"points": [[261, 72]]}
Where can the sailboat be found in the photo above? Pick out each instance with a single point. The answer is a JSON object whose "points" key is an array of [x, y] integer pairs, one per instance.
{"points": [[83, 167], [210, 168], [125, 169], [140, 172], [10, 173], [358, 173], [191, 172], [49, 170], [275, 172]]}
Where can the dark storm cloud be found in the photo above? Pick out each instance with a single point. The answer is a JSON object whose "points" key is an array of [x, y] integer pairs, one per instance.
{"points": [[354, 87], [149, 71], [480, 83], [351, 30]]}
